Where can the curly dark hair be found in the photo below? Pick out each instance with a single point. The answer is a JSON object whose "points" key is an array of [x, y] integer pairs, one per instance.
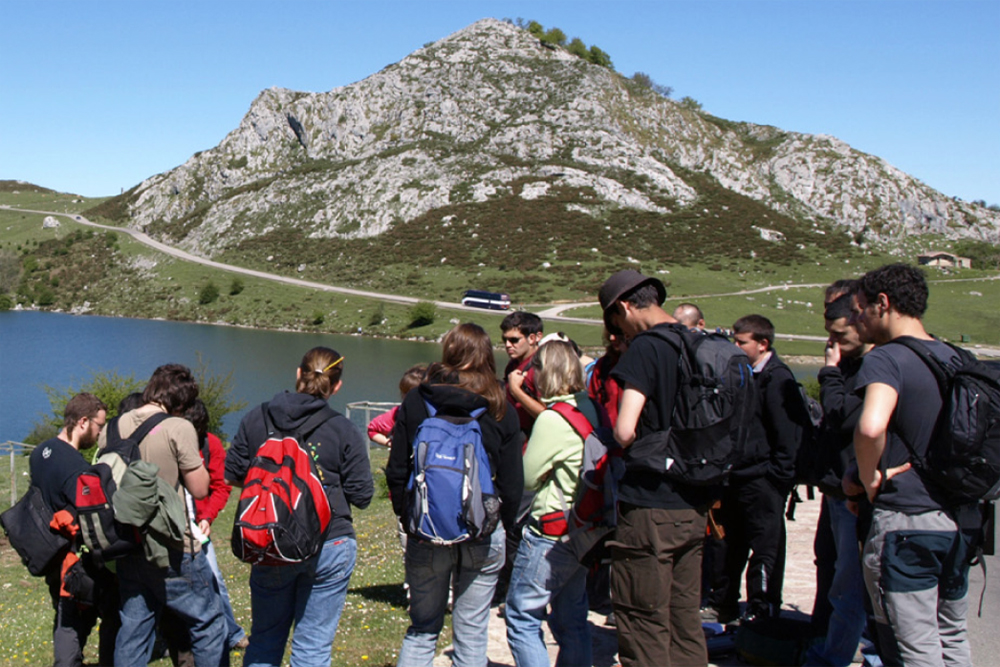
{"points": [[904, 285]]}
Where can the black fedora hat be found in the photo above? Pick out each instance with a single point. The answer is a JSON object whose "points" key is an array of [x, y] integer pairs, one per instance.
{"points": [[623, 282]]}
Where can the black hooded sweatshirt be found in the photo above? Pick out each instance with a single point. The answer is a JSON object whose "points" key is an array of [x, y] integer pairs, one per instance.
{"points": [[342, 453], [501, 440]]}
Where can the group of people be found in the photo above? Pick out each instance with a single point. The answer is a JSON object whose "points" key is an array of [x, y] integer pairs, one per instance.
{"points": [[668, 572]]}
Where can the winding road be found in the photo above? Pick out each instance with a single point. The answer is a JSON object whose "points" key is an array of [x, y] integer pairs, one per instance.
{"points": [[553, 313]]}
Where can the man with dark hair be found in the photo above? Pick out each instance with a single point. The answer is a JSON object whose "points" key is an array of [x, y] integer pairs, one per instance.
{"points": [[753, 504], [656, 553], [522, 332], [185, 586], [55, 465], [916, 558], [843, 589]]}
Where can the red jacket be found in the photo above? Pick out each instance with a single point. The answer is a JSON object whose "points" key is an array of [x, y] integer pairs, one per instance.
{"points": [[603, 389], [218, 491]]}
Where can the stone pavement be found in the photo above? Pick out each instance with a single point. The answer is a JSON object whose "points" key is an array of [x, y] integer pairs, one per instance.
{"points": [[799, 590]]}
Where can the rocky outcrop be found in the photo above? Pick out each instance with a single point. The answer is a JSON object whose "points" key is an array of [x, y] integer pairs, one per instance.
{"points": [[489, 109]]}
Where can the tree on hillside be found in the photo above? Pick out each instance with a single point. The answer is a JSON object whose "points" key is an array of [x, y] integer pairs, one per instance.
{"points": [[599, 57], [555, 36], [691, 103], [535, 28], [647, 82], [577, 48]]}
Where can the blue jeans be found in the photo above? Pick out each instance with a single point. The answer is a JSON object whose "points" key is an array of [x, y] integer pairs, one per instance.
{"points": [[429, 571], [234, 633], [546, 572], [847, 591], [187, 588], [311, 593]]}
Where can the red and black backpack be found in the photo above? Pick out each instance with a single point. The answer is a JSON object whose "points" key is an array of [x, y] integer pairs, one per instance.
{"points": [[283, 511]]}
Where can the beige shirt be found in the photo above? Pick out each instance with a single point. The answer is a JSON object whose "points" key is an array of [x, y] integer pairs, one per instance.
{"points": [[172, 446]]}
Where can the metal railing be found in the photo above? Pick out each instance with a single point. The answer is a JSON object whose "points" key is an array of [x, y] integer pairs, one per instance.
{"points": [[12, 450], [362, 412]]}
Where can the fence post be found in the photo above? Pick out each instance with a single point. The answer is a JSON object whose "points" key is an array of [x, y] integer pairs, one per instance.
{"points": [[13, 479]]}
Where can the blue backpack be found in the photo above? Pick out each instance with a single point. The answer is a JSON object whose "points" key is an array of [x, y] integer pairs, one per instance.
{"points": [[450, 494]]}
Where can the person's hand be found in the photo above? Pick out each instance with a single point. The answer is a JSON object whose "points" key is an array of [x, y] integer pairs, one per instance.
{"points": [[832, 354], [516, 379], [889, 474], [205, 527]]}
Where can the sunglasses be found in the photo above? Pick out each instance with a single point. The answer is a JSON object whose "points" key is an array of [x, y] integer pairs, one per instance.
{"points": [[513, 340]]}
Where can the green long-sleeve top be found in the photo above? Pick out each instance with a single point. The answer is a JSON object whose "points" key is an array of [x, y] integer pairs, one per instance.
{"points": [[552, 460]]}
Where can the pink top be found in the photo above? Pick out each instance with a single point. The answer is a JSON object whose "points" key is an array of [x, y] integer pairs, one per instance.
{"points": [[383, 423]]}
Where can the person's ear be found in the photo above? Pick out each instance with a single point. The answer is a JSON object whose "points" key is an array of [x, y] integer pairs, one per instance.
{"points": [[336, 387]]}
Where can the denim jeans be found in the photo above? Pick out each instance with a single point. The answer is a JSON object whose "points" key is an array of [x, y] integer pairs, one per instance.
{"points": [[311, 593], [429, 571], [546, 572], [847, 591], [186, 588], [234, 633]]}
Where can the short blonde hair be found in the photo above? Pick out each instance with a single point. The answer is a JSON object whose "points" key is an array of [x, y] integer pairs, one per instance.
{"points": [[559, 371]]}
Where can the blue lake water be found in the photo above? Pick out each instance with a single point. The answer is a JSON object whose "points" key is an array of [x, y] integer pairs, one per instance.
{"points": [[53, 349], [59, 350]]}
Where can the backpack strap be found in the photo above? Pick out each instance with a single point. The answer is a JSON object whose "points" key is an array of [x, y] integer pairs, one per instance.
{"points": [[572, 414], [937, 367], [138, 435]]}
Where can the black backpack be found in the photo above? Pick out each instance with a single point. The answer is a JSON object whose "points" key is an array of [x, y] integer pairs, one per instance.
{"points": [[107, 538], [27, 527], [963, 459], [715, 405]]}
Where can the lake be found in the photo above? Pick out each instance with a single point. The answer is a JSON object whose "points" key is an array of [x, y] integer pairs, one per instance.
{"points": [[40, 349], [59, 350]]}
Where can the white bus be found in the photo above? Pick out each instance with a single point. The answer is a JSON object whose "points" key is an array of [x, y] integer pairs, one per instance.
{"points": [[482, 299]]}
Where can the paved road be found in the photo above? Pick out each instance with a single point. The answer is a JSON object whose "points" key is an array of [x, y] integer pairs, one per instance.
{"points": [[552, 314]]}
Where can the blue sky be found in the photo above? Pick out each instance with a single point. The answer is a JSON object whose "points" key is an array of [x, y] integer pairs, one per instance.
{"points": [[97, 96]]}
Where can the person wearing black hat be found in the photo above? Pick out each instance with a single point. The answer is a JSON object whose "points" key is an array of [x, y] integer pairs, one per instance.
{"points": [[656, 553]]}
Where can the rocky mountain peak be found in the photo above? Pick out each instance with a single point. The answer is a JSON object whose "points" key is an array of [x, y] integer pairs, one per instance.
{"points": [[490, 112]]}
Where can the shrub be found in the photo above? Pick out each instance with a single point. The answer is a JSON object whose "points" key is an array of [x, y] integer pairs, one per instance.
{"points": [[208, 293], [422, 314], [236, 286], [214, 390]]}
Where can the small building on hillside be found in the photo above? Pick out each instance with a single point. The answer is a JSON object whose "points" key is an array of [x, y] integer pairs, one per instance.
{"points": [[944, 259]]}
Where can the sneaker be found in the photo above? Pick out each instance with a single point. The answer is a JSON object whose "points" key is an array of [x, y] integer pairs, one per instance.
{"points": [[723, 616]]}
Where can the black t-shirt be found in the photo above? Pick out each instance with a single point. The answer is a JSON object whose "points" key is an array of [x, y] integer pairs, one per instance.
{"points": [[917, 408], [650, 366], [55, 464]]}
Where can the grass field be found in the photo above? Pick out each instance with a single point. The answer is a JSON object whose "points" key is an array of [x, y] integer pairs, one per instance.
{"points": [[371, 628]]}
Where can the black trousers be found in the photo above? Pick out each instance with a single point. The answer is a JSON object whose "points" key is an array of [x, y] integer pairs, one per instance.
{"points": [[753, 515], [74, 620]]}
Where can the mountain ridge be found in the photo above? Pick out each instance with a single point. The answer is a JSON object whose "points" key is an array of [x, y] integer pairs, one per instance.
{"points": [[489, 113]]}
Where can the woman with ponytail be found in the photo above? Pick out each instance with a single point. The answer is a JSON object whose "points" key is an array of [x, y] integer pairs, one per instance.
{"points": [[463, 381], [311, 593]]}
